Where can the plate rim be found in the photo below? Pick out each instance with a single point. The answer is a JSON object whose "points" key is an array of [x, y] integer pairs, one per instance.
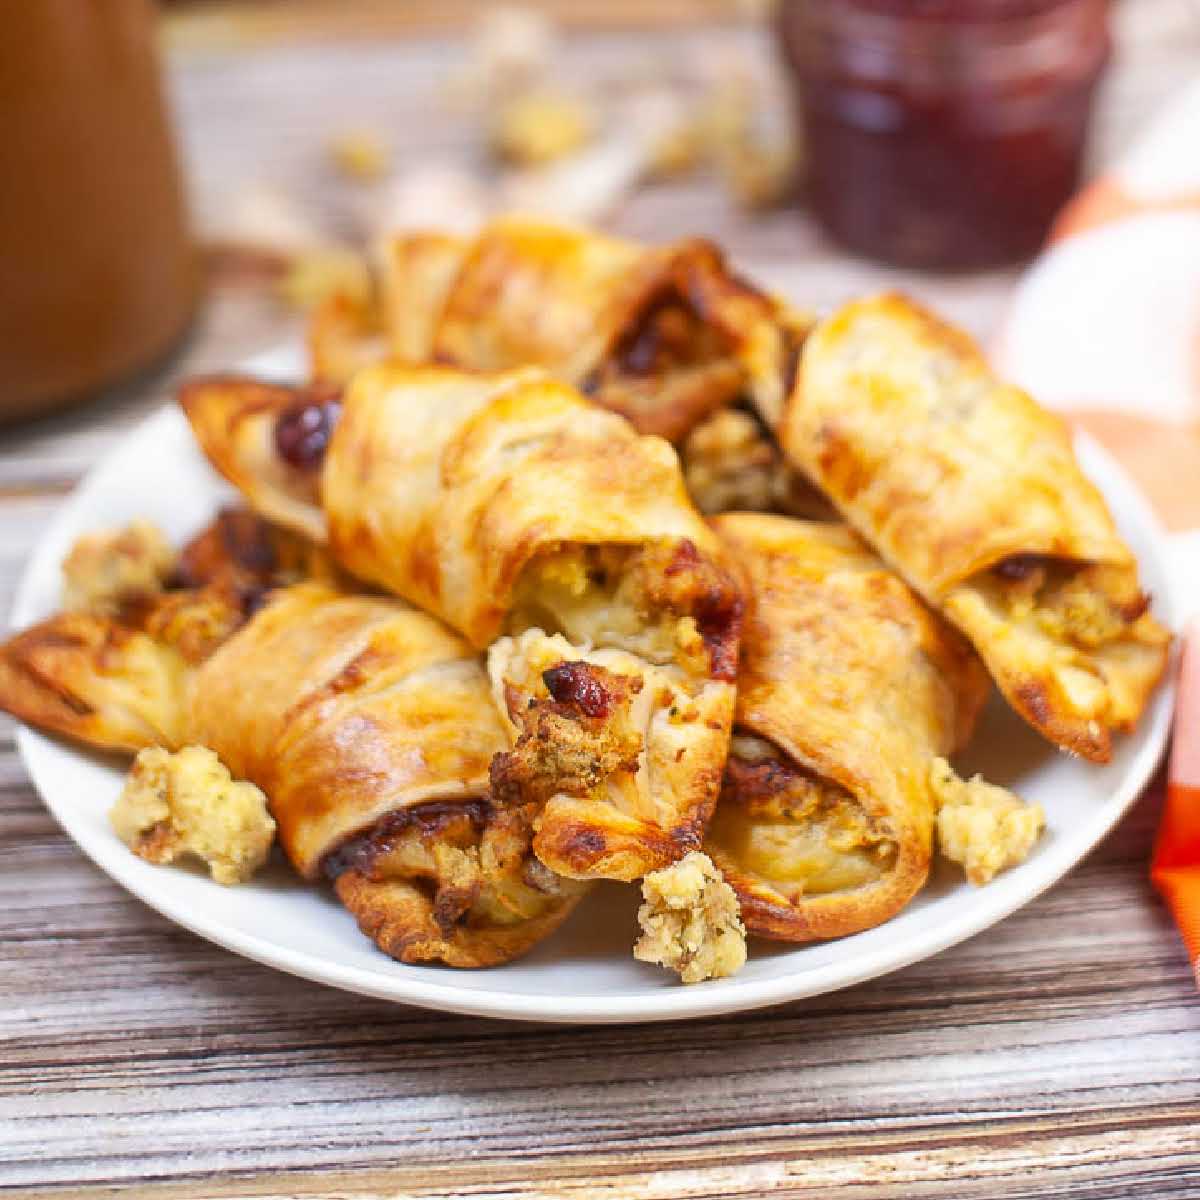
{"points": [[672, 1003]]}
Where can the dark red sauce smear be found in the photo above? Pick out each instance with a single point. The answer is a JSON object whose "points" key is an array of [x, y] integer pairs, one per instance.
{"points": [[238, 538], [653, 345], [302, 432], [717, 610], [358, 853], [578, 684], [719, 621], [247, 539], [762, 780], [1020, 566]]}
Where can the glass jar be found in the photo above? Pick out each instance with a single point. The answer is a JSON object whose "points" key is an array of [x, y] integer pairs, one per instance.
{"points": [[943, 133], [97, 274]]}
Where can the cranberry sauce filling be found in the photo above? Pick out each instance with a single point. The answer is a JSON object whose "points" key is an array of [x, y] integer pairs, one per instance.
{"points": [[717, 607], [302, 432], [359, 852], [580, 685]]}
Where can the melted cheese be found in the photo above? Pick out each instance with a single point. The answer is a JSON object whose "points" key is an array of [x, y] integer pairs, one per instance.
{"points": [[592, 594]]}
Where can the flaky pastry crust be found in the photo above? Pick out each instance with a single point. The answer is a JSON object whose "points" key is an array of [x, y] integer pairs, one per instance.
{"points": [[665, 336], [970, 490], [505, 503], [848, 688]]}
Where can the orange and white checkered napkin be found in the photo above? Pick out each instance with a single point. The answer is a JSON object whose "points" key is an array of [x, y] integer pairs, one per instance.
{"points": [[1176, 866], [1106, 327]]}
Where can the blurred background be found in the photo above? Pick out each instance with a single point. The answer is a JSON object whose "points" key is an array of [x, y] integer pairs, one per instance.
{"points": [[831, 146]]}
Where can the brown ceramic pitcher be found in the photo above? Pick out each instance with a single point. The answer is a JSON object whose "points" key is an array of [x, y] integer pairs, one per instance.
{"points": [[97, 275]]}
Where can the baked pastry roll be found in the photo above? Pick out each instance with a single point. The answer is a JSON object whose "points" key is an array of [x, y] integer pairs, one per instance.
{"points": [[548, 533], [243, 552], [267, 440], [664, 335], [849, 690], [731, 463], [972, 492], [370, 726], [115, 682], [115, 677]]}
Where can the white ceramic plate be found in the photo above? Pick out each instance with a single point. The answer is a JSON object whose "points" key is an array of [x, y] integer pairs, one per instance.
{"points": [[585, 972]]}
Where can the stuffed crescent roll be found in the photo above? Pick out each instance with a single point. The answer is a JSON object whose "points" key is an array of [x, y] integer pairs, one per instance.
{"points": [[663, 335], [972, 492], [370, 726], [266, 439], [116, 682], [242, 551], [667, 336], [547, 532], [849, 690], [112, 671]]}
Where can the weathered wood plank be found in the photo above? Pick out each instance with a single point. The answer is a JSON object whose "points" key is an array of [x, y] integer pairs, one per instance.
{"points": [[1056, 1054], [1075, 1013]]}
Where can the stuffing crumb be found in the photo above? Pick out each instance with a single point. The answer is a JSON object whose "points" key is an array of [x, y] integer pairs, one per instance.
{"points": [[315, 276], [540, 127], [512, 47], [731, 464], [759, 176], [981, 826], [690, 921], [679, 151], [108, 569], [359, 154], [728, 463], [176, 804]]}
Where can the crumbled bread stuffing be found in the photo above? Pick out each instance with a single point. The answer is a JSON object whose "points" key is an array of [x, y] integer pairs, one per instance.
{"points": [[730, 464], [539, 127], [359, 154], [679, 151], [690, 921], [314, 276], [981, 826], [106, 570], [759, 175], [187, 803]]}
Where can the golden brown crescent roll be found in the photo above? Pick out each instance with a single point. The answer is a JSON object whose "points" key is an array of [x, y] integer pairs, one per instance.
{"points": [[117, 680], [849, 688], [663, 335], [112, 683], [266, 439], [546, 531], [370, 726], [241, 550], [973, 493]]}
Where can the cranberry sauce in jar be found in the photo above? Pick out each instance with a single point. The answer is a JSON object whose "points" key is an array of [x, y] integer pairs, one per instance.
{"points": [[944, 133]]}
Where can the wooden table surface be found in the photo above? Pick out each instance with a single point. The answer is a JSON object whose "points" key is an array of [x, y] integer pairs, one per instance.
{"points": [[1058, 1053]]}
